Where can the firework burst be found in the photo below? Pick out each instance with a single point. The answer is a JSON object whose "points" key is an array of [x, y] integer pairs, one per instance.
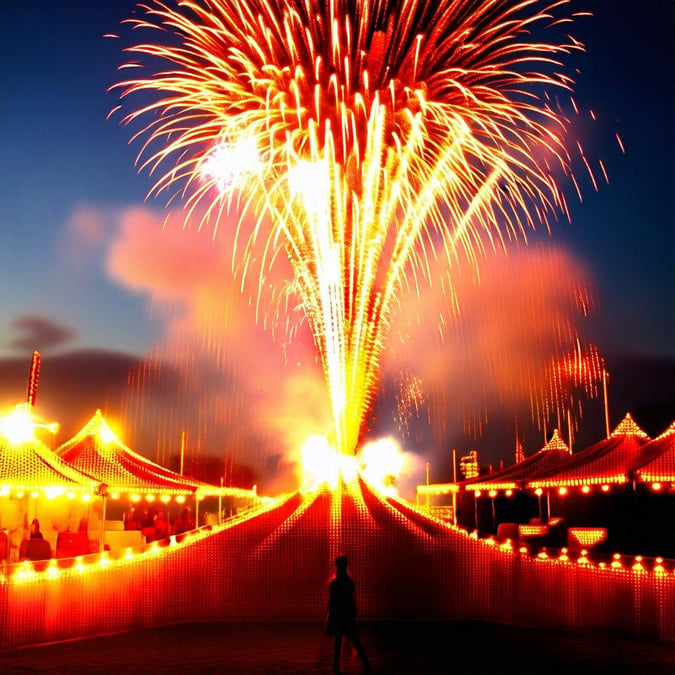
{"points": [[377, 136]]}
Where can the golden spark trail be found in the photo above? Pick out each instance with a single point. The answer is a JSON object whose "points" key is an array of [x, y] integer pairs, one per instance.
{"points": [[387, 133]]}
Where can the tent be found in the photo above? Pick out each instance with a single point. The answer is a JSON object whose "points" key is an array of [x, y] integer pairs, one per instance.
{"points": [[35, 481], [96, 451], [30, 466], [554, 455], [660, 467], [609, 461]]}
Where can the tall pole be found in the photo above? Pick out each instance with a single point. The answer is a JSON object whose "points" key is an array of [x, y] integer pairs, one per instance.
{"points": [[101, 546], [605, 376], [454, 480], [33, 379], [570, 432], [428, 466], [220, 502], [182, 450]]}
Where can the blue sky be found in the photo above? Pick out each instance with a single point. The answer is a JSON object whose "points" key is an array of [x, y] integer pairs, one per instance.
{"points": [[62, 160]]}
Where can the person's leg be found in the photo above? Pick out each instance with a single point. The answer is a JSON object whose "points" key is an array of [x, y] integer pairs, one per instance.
{"points": [[353, 638], [337, 649]]}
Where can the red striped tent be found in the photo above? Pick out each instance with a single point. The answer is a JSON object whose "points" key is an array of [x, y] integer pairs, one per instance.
{"points": [[660, 468], [609, 461]]}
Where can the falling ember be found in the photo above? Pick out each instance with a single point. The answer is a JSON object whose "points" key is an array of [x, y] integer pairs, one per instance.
{"points": [[426, 129]]}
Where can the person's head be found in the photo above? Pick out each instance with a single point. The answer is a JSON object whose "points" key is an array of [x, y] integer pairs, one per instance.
{"points": [[35, 525], [341, 563]]}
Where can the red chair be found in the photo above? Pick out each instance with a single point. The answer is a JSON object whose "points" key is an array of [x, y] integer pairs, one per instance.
{"points": [[4, 546], [72, 544], [35, 549]]}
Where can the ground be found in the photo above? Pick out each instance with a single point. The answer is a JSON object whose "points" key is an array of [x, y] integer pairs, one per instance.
{"points": [[456, 648]]}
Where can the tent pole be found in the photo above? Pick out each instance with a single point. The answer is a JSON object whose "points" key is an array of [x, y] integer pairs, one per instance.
{"points": [[604, 391], [101, 545], [220, 502]]}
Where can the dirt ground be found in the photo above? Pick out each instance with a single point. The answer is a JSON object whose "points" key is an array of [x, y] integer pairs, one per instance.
{"points": [[456, 648]]}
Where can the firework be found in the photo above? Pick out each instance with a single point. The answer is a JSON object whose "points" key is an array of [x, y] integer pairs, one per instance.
{"points": [[377, 136]]}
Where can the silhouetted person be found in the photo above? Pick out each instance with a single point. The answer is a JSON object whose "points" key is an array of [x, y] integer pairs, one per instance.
{"points": [[184, 522], [342, 614], [35, 529], [131, 521]]}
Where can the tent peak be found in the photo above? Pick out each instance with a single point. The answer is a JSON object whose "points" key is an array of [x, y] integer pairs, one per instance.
{"points": [[557, 443], [628, 427]]}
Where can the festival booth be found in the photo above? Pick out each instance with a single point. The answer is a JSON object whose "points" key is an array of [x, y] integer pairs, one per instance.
{"points": [[36, 483], [659, 471], [498, 502], [149, 489], [516, 513], [595, 492]]}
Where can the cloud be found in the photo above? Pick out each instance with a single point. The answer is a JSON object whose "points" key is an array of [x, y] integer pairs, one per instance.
{"points": [[248, 385], [86, 235], [242, 387], [506, 336], [39, 332]]}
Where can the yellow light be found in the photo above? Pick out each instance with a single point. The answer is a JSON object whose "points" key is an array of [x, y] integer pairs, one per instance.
{"points": [[605, 488], [114, 495], [86, 497], [135, 498], [492, 493], [52, 569], [35, 494], [476, 493], [180, 499], [165, 499], [70, 495], [562, 491], [509, 493], [656, 486], [150, 498], [585, 489], [638, 566], [18, 425], [4, 491], [20, 494], [54, 491], [539, 492], [106, 434]]}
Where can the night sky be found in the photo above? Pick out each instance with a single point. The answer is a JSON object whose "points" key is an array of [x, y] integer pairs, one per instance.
{"points": [[69, 181]]}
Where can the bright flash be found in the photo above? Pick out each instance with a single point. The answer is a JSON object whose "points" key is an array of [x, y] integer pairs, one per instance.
{"points": [[323, 464], [319, 463], [18, 425], [309, 181], [381, 463], [227, 163]]}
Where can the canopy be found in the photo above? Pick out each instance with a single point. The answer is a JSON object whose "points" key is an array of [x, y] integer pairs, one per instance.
{"points": [[554, 455], [96, 451], [611, 460], [660, 468], [31, 465]]}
